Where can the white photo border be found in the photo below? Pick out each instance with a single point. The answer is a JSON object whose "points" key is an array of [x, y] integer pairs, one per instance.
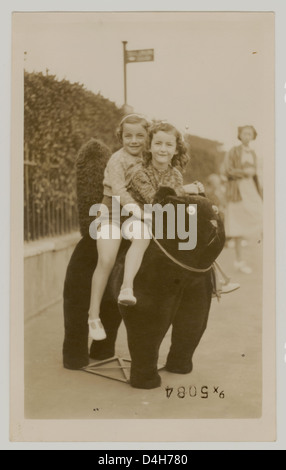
{"points": [[251, 5]]}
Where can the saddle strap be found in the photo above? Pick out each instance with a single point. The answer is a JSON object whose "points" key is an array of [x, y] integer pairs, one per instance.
{"points": [[182, 265]]}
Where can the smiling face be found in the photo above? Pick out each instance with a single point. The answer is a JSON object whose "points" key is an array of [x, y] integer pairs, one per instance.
{"points": [[163, 148], [134, 138]]}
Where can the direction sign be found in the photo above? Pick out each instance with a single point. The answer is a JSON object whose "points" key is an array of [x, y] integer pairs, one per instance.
{"points": [[142, 55]]}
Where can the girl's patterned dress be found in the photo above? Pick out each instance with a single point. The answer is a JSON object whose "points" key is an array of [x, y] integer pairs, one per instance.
{"points": [[147, 180]]}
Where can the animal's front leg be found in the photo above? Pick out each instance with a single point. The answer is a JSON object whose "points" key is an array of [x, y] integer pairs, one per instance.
{"points": [[189, 324], [146, 325]]}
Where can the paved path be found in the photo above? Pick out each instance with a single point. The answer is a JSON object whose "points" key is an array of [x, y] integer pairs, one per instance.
{"points": [[228, 359]]}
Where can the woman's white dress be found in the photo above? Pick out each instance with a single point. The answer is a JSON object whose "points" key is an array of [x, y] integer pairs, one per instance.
{"points": [[245, 218]]}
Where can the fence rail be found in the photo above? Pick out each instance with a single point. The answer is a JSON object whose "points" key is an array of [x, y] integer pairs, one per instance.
{"points": [[45, 216]]}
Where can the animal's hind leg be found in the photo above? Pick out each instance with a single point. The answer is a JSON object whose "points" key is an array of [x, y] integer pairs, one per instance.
{"points": [[77, 291], [189, 324], [76, 303]]}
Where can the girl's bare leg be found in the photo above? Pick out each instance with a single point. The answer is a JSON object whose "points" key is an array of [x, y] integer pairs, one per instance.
{"points": [[238, 249], [239, 263], [133, 261], [107, 253]]}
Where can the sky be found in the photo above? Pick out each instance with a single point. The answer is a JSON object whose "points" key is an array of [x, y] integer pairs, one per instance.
{"points": [[212, 71]]}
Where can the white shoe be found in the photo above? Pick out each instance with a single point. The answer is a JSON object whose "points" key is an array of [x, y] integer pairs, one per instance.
{"points": [[126, 297], [96, 329], [229, 287], [242, 267]]}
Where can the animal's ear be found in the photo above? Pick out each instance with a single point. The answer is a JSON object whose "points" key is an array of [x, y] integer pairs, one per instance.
{"points": [[163, 193]]}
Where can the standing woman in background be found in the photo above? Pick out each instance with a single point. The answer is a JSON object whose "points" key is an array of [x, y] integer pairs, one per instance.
{"points": [[244, 213]]}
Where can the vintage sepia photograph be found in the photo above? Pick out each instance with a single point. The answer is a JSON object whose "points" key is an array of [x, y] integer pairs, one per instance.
{"points": [[145, 156]]}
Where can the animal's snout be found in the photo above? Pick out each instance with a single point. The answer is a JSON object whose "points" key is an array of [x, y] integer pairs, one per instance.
{"points": [[214, 223]]}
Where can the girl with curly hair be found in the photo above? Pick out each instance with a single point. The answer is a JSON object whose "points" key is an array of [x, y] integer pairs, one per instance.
{"points": [[162, 166]]}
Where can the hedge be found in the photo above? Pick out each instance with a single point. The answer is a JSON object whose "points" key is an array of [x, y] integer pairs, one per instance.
{"points": [[206, 158], [59, 117]]}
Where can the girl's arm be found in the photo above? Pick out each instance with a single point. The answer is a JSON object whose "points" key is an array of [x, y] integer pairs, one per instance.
{"points": [[255, 177], [118, 182], [141, 185]]}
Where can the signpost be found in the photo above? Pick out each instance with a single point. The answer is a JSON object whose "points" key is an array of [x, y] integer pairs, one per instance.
{"points": [[141, 55]]}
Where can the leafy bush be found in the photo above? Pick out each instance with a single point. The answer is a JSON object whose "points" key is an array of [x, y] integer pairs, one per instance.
{"points": [[59, 117], [206, 158]]}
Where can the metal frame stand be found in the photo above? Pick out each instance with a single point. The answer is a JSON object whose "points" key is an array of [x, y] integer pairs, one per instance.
{"points": [[96, 367]]}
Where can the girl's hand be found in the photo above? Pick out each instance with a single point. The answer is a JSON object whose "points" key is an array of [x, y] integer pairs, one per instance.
{"points": [[194, 188], [200, 186], [191, 188]]}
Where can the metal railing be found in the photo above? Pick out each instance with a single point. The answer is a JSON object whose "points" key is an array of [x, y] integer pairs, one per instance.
{"points": [[44, 214]]}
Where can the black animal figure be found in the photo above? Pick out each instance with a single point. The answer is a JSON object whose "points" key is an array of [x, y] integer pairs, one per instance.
{"points": [[173, 287]]}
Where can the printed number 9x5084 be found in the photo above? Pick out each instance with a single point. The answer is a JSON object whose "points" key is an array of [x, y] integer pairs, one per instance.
{"points": [[203, 392]]}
